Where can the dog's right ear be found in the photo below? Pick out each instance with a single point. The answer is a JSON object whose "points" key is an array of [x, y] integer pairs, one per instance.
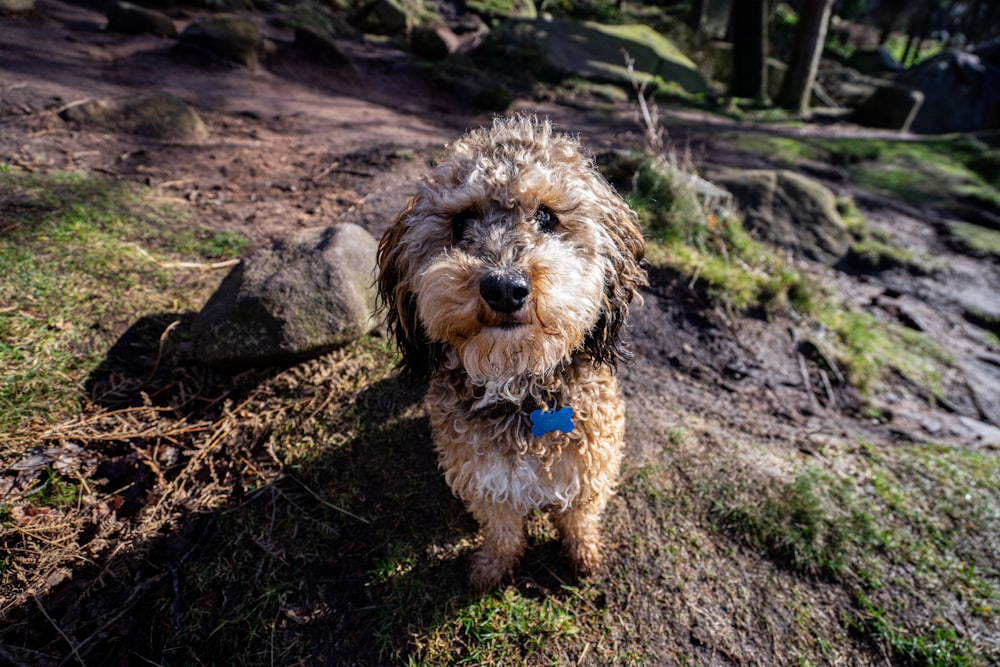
{"points": [[399, 303]]}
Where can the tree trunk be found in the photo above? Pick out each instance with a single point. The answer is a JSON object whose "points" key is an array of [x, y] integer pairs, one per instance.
{"points": [[749, 26], [917, 33], [807, 47], [696, 15]]}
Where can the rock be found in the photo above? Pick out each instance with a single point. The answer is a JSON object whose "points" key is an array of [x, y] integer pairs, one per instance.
{"points": [[224, 36], [434, 42], [299, 298], [890, 107], [85, 113], [594, 51], [961, 91], [134, 20], [390, 17], [500, 9], [161, 116], [791, 211], [873, 61], [16, 6], [158, 115], [319, 45]]}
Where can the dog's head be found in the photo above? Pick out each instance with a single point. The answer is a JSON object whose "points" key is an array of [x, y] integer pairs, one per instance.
{"points": [[514, 255]]}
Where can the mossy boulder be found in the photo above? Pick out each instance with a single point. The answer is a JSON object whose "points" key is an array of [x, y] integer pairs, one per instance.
{"points": [[158, 115], [161, 116], [225, 36], [297, 298], [434, 42], [392, 17], [890, 107], [595, 51], [791, 211], [498, 9], [319, 44], [132, 19], [16, 6]]}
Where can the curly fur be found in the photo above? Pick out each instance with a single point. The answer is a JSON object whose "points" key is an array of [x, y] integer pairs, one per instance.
{"points": [[517, 199]]}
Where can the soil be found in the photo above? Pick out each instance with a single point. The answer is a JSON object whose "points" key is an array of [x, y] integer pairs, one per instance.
{"points": [[297, 144]]}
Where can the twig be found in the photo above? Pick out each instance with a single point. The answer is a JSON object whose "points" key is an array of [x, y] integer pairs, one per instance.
{"points": [[803, 370], [830, 396], [225, 264], [11, 658], [125, 608], [324, 502], [72, 645], [159, 353], [652, 122]]}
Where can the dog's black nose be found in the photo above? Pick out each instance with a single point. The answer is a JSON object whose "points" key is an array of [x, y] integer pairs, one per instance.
{"points": [[505, 292]]}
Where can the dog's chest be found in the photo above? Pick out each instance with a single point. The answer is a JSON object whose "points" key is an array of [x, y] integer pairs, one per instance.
{"points": [[522, 481], [501, 462]]}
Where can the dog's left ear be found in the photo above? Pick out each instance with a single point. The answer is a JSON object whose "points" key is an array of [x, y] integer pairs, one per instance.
{"points": [[623, 278], [398, 301]]}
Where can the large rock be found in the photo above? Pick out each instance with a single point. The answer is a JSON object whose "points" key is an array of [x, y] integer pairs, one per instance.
{"points": [[873, 61], [434, 42], [320, 45], [891, 107], [496, 9], [961, 91], [131, 19], [392, 17], [161, 116], [158, 115], [224, 36], [595, 51], [298, 298], [16, 6], [790, 211]]}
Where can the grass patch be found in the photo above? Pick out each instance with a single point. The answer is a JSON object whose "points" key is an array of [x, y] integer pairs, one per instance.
{"points": [[77, 267], [707, 243], [799, 527], [937, 170], [911, 531], [704, 239], [502, 628], [977, 238], [867, 347]]}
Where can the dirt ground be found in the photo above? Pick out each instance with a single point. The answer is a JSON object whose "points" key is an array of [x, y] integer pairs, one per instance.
{"points": [[296, 144]]}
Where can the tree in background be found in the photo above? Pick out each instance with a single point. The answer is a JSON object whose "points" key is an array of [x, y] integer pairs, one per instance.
{"points": [[696, 14], [807, 47], [749, 19]]}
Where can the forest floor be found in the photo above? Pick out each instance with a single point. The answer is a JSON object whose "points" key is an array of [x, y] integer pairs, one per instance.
{"points": [[296, 516]]}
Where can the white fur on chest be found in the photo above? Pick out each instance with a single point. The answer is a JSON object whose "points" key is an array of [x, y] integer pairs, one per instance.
{"points": [[522, 481]]}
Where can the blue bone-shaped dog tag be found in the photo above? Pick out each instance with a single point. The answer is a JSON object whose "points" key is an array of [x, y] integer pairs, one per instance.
{"points": [[547, 422]]}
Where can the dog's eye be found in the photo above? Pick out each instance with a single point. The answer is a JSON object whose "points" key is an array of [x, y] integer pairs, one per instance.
{"points": [[459, 223], [545, 219]]}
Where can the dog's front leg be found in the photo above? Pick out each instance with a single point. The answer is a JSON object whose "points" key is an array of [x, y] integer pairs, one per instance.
{"points": [[502, 529], [581, 533]]}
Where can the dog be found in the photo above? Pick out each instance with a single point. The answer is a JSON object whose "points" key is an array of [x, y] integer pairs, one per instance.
{"points": [[506, 281]]}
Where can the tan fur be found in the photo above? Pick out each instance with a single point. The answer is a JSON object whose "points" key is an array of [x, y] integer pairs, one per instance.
{"points": [[484, 210]]}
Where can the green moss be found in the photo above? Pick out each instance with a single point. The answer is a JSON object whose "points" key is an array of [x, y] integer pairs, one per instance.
{"points": [[977, 238], [703, 240], [868, 348], [77, 266]]}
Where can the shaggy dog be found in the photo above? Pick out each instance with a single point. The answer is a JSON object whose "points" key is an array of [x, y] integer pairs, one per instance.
{"points": [[506, 280]]}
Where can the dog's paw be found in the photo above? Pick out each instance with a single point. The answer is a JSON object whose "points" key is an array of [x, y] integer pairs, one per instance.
{"points": [[486, 571], [584, 554]]}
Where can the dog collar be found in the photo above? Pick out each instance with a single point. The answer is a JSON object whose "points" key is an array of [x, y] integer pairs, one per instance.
{"points": [[544, 419]]}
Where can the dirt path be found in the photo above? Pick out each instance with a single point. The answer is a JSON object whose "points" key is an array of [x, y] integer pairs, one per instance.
{"points": [[297, 144]]}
